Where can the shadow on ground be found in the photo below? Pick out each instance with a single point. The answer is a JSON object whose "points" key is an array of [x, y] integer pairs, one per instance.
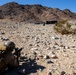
{"points": [[29, 65]]}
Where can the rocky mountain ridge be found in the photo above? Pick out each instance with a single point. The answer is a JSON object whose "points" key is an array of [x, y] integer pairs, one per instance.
{"points": [[33, 13]]}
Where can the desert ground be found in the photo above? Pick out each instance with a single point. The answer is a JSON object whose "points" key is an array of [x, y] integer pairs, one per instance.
{"points": [[46, 52]]}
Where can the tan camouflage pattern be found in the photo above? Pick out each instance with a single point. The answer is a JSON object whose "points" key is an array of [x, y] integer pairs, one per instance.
{"points": [[2, 48]]}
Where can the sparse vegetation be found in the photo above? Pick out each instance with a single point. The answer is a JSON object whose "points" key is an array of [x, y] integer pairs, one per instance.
{"points": [[64, 27]]}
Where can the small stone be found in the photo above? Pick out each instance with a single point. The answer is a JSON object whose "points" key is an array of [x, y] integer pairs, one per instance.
{"points": [[40, 55], [36, 45], [53, 37], [32, 56], [22, 71], [40, 69], [30, 44], [34, 53], [2, 33], [46, 57], [48, 48], [62, 73], [37, 39], [50, 53], [73, 46], [56, 47], [22, 54], [48, 61], [49, 73], [4, 39], [34, 48], [56, 43], [37, 58], [66, 47], [53, 56], [74, 73]]}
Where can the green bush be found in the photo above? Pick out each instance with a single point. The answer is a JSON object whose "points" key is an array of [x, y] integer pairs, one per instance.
{"points": [[63, 27]]}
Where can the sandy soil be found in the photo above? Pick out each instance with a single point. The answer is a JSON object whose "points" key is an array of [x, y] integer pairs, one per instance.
{"points": [[46, 52]]}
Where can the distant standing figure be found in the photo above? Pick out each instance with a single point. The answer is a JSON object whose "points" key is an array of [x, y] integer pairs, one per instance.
{"points": [[44, 24]]}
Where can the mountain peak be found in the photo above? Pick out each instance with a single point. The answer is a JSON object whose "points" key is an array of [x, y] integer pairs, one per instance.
{"points": [[34, 13]]}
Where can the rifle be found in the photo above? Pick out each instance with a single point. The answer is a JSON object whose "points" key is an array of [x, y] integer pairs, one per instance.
{"points": [[17, 52]]}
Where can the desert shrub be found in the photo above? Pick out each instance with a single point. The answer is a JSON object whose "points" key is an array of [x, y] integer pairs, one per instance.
{"points": [[63, 27], [68, 25], [63, 21]]}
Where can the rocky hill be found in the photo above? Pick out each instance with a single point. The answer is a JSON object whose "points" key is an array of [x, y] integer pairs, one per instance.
{"points": [[33, 13]]}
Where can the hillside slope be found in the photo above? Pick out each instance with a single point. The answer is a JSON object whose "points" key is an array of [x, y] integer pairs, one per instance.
{"points": [[33, 13]]}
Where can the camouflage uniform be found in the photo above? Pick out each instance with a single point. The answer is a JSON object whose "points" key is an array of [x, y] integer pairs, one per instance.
{"points": [[7, 59]]}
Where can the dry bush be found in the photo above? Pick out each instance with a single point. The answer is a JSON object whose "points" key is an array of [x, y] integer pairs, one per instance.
{"points": [[63, 27]]}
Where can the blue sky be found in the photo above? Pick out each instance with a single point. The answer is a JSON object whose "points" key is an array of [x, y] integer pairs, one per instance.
{"points": [[61, 4]]}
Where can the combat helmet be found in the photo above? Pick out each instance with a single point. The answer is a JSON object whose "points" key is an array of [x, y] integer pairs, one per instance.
{"points": [[9, 45]]}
